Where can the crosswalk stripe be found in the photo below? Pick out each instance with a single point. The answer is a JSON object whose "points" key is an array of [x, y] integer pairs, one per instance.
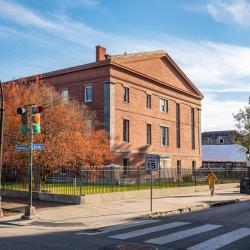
{"points": [[222, 240], [140, 232], [182, 234], [120, 227]]}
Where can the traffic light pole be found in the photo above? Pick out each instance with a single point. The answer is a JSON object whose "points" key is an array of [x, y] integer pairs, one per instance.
{"points": [[30, 211], [1, 144]]}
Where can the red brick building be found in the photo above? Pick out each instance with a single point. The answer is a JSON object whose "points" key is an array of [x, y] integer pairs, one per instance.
{"points": [[144, 101]]}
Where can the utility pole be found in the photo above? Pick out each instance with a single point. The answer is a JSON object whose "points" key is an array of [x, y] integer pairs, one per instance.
{"points": [[1, 143]]}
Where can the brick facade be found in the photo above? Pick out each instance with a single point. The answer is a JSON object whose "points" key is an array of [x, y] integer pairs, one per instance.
{"points": [[152, 73]]}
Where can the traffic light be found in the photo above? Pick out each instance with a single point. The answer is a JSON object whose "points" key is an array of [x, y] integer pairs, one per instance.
{"points": [[24, 119], [36, 110]]}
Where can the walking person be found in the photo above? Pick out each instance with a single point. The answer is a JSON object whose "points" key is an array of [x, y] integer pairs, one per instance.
{"points": [[211, 181]]}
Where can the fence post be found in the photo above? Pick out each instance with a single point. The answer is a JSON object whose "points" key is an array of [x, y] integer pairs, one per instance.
{"points": [[74, 185], [81, 170], [221, 174], [195, 176], [138, 178]]}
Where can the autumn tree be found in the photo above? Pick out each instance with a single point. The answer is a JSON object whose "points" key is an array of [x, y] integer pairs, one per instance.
{"points": [[243, 126], [65, 132]]}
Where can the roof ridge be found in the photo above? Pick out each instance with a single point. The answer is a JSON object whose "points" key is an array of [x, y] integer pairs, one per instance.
{"points": [[139, 53]]}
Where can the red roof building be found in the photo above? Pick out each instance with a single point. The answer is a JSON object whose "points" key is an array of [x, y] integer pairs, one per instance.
{"points": [[144, 101]]}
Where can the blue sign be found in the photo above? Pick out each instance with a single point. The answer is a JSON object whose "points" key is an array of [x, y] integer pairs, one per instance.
{"points": [[22, 147], [37, 147]]}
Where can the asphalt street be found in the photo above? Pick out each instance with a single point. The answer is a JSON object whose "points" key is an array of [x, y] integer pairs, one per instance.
{"points": [[226, 227]]}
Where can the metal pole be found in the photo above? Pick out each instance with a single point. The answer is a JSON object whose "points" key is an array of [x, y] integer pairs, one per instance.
{"points": [[30, 156], [30, 211], [1, 143], [248, 163], [151, 191]]}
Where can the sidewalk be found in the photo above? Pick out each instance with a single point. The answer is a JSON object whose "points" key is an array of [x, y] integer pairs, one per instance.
{"points": [[76, 217]]}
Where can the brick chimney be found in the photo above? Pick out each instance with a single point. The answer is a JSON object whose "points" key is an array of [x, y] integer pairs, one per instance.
{"points": [[100, 53]]}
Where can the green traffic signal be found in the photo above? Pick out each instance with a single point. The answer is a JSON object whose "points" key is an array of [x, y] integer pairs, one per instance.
{"points": [[36, 110], [24, 129], [36, 128]]}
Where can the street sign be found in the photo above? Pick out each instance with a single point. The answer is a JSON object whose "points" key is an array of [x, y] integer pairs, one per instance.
{"points": [[151, 162], [22, 147], [37, 147]]}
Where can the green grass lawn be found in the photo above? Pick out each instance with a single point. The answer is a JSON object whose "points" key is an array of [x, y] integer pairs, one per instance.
{"points": [[87, 189]]}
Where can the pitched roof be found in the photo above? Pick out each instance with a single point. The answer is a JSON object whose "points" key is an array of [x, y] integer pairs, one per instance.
{"points": [[218, 133], [159, 66]]}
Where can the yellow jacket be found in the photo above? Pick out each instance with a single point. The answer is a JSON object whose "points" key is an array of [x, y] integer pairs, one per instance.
{"points": [[211, 179]]}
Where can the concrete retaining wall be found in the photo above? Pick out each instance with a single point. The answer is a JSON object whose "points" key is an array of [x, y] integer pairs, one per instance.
{"points": [[107, 197], [70, 199], [157, 193]]}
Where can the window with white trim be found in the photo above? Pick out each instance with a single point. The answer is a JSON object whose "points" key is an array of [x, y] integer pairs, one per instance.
{"points": [[65, 94], [88, 93], [163, 105]]}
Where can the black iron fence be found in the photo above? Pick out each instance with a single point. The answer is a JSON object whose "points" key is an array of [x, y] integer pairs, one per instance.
{"points": [[93, 180]]}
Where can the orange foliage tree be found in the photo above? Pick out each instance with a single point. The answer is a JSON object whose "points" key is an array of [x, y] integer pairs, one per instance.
{"points": [[64, 129]]}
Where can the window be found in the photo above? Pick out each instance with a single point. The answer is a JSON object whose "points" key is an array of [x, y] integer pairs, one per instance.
{"points": [[221, 141], [148, 134], [148, 101], [125, 130], [88, 93], [192, 128], [65, 94], [126, 166], [178, 137], [179, 167], [164, 136], [193, 167], [125, 94], [163, 105]]}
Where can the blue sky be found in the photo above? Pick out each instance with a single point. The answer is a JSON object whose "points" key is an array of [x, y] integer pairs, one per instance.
{"points": [[209, 40]]}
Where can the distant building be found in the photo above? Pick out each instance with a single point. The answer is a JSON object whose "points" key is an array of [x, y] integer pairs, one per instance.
{"points": [[218, 137], [223, 156], [219, 150]]}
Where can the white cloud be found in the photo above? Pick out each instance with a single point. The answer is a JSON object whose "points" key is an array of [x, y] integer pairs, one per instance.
{"points": [[61, 26], [212, 65], [236, 11], [24, 16], [218, 115]]}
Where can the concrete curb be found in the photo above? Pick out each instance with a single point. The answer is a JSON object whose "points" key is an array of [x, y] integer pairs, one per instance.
{"points": [[191, 209]]}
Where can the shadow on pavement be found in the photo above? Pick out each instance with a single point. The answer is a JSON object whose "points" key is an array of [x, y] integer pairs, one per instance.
{"points": [[7, 201]]}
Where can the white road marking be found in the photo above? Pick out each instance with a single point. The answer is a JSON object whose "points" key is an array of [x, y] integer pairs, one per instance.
{"points": [[182, 234], [149, 230], [120, 227], [222, 240]]}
